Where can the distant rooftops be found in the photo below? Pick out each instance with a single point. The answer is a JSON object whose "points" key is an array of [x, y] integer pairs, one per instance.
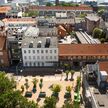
{"points": [[4, 9], [61, 8], [23, 19]]}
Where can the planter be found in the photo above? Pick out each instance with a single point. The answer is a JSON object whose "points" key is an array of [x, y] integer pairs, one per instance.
{"points": [[42, 95], [28, 94], [34, 90], [67, 95]]}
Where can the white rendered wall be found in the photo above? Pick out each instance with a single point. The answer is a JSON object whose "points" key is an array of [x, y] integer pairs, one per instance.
{"points": [[37, 59]]}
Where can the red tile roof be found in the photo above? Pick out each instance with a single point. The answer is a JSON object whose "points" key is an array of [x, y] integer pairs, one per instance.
{"points": [[60, 8], [5, 9], [103, 66], [19, 19], [83, 49]]}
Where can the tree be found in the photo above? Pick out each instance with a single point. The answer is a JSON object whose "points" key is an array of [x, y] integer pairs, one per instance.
{"points": [[67, 73], [68, 89], [56, 88], [68, 104], [35, 81], [26, 84], [6, 84], [10, 98], [97, 33], [30, 14], [100, 12], [49, 4], [102, 40], [72, 73], [22, 88], [50, 102], [41, 84]]}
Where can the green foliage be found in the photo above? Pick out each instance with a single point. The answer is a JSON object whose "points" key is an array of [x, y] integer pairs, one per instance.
{"points": [[97, 33], [22, 88], [82, 15], [6, 84], [49, 4], [9, 98], [30, 14], [50, 102], [56, 88], [68, 104], [100, 34], [35, 81], [68, 4], [102, 40], [100, 12], [68, 89]]}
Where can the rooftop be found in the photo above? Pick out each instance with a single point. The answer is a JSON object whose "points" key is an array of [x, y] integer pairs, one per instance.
{"points": [[61, 8], [83, 49], [4, 9], [103, 66], [40, 41], [92, 17], [23, 19], [31, 32]]}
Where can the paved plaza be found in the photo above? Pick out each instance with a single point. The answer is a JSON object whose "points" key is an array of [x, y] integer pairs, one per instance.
{"points": [[48, 80]]}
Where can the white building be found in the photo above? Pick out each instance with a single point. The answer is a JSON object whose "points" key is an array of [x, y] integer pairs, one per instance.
{"points": [[39, 51]]}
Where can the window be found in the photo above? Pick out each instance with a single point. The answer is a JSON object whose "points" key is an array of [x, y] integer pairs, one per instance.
{"points": [[25, 57], [33, 57], [46, 51], [2, 61], [38, 64], [42, 64], [24, 51], [50, 57], [30, 63], [42, 51], [25, 63], [37, 51], [29, 57], [42, 57], [33, 51], [28, 51], [34, 64], [55, 51], [55, 57], [38, 57], [46, 57], [50, 51]]}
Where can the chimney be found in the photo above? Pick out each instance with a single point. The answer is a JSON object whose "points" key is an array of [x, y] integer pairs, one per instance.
{"points": [[57, 2]]}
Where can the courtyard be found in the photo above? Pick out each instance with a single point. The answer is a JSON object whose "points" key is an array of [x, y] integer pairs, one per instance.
{"points": [[48, 82]]}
